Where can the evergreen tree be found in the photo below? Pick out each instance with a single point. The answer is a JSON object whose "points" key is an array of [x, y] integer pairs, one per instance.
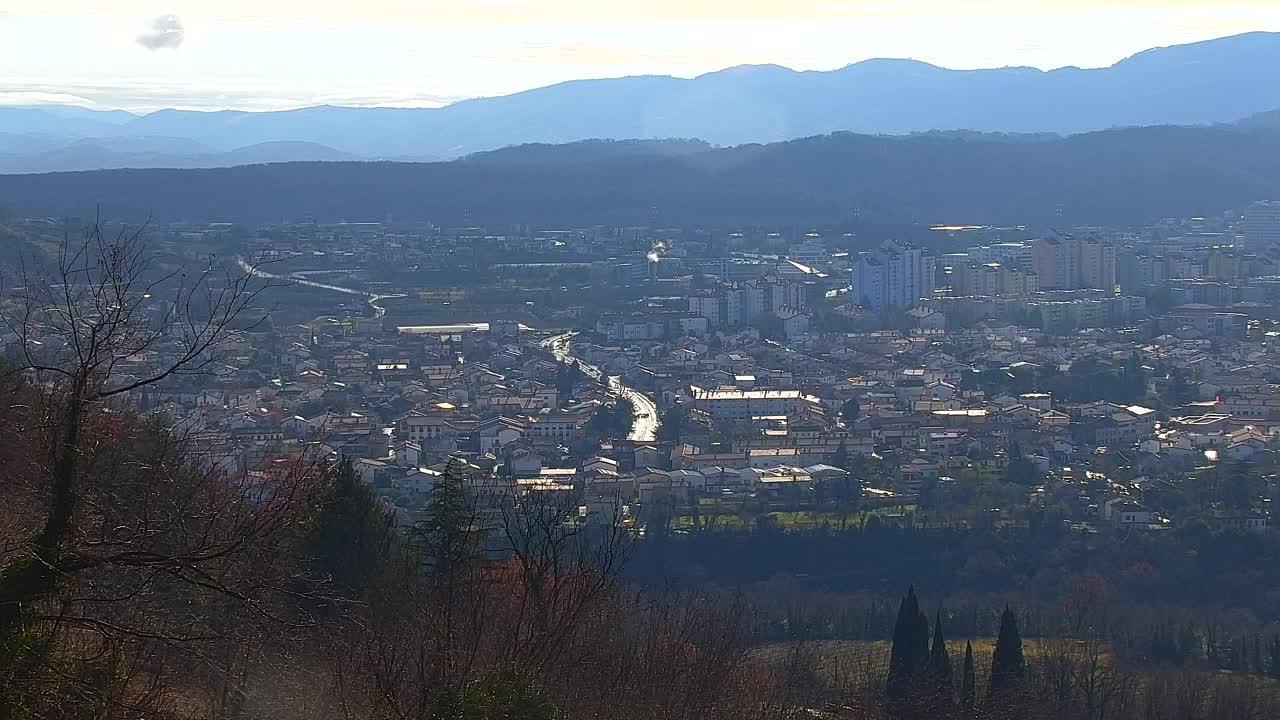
{"points": [[1008, 665], [352, 535], [909, 654], [1275, 657], [446, 534], [840, 458], [940, 668], [968, 682], [850, 410]]}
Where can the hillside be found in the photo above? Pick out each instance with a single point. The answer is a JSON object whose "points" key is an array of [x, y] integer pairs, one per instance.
{"points": [[1116, 177], [1218, 81], [37, 153]]}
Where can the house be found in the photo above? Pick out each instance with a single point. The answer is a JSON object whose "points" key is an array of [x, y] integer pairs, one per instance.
{"points": [[927, 319], [655, 485], [1244, 443], [1125, 513], [417, 480], [648, 456], [912, 475], [600, 464], [1247, 521], [497, 433], [524, 463]]}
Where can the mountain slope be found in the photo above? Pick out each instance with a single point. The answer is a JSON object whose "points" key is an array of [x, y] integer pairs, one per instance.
{"points": [[1115, 177], [27, 154], [1217, 81]]}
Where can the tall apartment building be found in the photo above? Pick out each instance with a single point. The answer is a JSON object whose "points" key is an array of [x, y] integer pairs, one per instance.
{"points": [[893, 277], [1014, 255], [1057, 262], [1136, 271], [993, 280], [1097, 265], [742, 303], [1070, 263], [1262, 225]]}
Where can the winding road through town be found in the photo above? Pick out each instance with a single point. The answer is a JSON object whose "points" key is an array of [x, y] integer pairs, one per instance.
{"points": [[644, 427], [297, 279]]}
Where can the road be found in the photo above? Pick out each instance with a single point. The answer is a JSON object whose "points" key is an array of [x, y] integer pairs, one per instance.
{"points": [[296, 279], [644, 427]]}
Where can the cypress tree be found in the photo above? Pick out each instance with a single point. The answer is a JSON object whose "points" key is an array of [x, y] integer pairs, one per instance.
{"points": [[1008, 665], [1275, 657], [968, 682], [910, 649], [940, 668]]}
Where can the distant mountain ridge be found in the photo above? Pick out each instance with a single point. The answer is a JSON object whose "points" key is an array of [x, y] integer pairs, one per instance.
{"points": [[1115, 177], [1217, 81], [37, 154]]}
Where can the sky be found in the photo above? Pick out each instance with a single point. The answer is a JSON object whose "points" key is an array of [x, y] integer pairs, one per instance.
{"points": [[143, 55]]}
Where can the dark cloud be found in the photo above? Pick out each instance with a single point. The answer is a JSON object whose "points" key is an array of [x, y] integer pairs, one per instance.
{"points": [[165, 32]]}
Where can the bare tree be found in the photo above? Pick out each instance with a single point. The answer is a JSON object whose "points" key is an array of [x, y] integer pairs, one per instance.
{"points": [[124, 518]]}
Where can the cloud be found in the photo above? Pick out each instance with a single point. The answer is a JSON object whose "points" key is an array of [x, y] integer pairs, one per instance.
{"points": [[165, 32]]}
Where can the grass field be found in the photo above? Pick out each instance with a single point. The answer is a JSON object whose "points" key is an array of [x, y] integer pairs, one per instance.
{"points": [[714, 514]]}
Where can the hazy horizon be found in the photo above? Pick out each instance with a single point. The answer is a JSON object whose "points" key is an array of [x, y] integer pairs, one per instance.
{"points": [[283, 54]]}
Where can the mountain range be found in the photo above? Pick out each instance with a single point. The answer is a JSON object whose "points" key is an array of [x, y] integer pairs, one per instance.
{"points": [[1218, 81], [1115, 177]]}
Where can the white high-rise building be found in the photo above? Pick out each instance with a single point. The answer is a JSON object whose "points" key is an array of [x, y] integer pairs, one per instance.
{"points": [[1262, 225], [893, 277]]}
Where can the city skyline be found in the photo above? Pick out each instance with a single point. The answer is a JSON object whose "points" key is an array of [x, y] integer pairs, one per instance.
{"points": [[280, 54]]}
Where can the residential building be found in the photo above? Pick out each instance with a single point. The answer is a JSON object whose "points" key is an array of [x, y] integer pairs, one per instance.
{"points": [[893, 277], [1262, 225]]}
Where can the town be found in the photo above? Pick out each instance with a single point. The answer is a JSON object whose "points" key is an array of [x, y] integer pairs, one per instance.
{"points": [[1098, 378]]}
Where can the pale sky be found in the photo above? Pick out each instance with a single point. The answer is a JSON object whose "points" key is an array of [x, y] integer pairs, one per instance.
{"points": [[276, 54]]}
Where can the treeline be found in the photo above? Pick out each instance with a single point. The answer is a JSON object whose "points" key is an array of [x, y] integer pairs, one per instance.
{"points": [[1119, 177], [1068, 676], [1233, 569]]}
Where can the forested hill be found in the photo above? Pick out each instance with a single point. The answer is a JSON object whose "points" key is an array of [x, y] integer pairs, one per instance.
{"points": [[1114, 177]]}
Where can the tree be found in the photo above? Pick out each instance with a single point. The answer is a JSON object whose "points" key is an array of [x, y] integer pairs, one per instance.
{"points": [[352, 536], [1008, 664], [909, 654], [118, 507], [940, 669], [448, 534], [671, 427], [506, 694], [840, 458], [968, 682], [1020, 470], [567, 378], [850, 410]]}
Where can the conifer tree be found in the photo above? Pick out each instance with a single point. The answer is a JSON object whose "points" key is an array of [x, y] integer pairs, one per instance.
{"points": [[940, 661], [352, 535], [939, 670], [446, 533], [1274, 653], [968, 682], [1008, 665], [909, 653]]}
